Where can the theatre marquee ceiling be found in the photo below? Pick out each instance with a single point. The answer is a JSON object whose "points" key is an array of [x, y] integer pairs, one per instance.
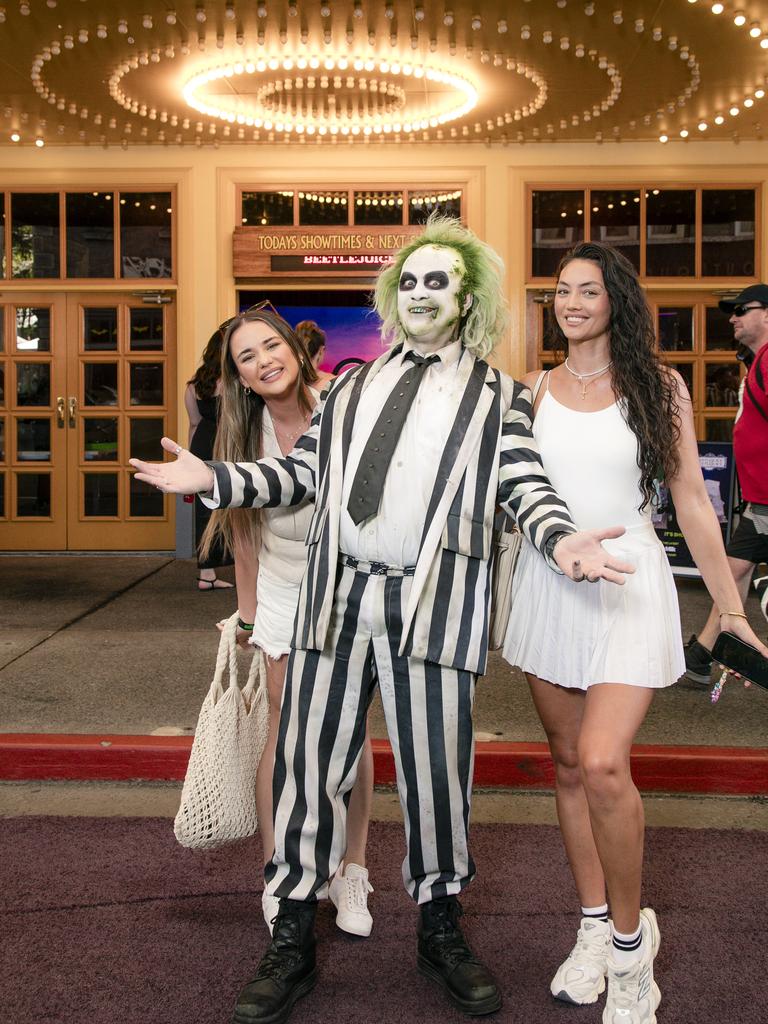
{"points": [[210, 72]]}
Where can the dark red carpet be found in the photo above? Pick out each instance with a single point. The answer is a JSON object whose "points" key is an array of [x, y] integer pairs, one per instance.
{"points": [[109, 921]]}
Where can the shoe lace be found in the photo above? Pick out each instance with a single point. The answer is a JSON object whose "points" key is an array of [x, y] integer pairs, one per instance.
{"points": [[356, 890], [447, 938], [590, 945]]}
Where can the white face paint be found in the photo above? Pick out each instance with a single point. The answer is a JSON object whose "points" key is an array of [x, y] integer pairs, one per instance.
{"points": [[428, 296]]}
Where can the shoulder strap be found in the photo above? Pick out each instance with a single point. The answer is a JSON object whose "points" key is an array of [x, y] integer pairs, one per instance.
{"points": [[537, 386], [754, 401]]}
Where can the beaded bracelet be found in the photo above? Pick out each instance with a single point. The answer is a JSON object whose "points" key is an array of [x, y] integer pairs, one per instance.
{"points": [[246, 626]]}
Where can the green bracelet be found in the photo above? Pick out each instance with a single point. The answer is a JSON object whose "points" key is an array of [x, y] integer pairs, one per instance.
{"points": [[246, 626]]}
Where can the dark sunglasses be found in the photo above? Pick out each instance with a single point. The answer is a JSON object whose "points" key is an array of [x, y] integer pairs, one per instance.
{"points": [[743, 310]]}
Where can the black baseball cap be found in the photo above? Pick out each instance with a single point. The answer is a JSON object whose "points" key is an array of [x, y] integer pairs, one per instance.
{"points": [[754, 293]]}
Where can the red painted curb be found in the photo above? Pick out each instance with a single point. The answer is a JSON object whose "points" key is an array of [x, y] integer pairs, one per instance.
{"points": [[739, 771]]}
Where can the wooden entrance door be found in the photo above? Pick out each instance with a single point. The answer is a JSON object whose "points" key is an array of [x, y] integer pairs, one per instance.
{"points": [[89, 382]]}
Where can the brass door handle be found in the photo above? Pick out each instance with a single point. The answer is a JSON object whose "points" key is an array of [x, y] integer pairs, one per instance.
{"points": [[72, 410], [60, 411]]}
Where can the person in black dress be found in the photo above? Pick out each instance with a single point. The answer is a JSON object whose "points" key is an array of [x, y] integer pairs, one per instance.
{"points": [[202, 404]]}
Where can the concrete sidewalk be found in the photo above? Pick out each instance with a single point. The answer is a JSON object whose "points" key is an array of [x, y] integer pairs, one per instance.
{"points": [[127, 645]]}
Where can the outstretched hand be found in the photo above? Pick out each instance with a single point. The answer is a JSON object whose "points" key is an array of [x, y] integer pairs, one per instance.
{"points": [[187, 475], [582, 557]]}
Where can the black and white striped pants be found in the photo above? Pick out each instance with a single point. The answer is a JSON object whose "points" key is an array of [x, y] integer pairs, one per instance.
{"points": [[428, 710]]}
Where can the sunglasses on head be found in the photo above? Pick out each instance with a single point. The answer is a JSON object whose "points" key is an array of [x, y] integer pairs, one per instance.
{"points": [[743, 310]]}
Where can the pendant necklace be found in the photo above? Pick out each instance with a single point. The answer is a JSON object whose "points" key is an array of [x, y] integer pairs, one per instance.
{"points": [[583, 378], [287, 437]]}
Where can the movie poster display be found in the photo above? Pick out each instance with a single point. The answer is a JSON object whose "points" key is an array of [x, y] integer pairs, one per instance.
{"points": [[718, 467]]}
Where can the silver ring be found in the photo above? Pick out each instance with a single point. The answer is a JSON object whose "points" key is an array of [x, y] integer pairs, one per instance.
{"points": [[178, 450]]}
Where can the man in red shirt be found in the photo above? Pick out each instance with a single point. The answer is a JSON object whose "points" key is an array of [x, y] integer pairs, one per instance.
{"points": [[749, 544]]}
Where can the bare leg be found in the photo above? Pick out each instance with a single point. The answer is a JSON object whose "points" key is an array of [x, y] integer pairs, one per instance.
{"points": [[612, 715], [742, 574], [360, 800], [561, 711]]}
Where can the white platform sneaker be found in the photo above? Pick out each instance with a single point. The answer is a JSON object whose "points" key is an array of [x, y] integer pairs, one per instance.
{"points": [[633, 995], [580, 979], [348, 892]]}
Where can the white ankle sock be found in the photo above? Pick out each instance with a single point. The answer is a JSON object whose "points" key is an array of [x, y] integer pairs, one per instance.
{"points": [[597, 913], [627, 949]]}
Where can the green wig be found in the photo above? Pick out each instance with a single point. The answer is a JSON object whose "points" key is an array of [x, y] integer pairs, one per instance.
{"points": [[486, 319]]}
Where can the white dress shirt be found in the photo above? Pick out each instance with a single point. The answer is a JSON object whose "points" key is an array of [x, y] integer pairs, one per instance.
{"points": [[393, 535]]}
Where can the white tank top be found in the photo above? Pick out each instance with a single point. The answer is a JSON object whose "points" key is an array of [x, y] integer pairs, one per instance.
{"points": [[591, 461], [283, 530]]}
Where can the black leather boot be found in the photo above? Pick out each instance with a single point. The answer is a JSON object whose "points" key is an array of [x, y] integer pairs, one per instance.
{"points": [[287, 970], [445, 957]]}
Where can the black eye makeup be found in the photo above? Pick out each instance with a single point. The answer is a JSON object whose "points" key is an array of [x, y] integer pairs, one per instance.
{"points": [[436, 279], [407, 282]]}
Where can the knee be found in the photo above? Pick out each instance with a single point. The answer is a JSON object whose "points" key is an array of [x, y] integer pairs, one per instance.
{"points": [[566, 760], [604, 774]]}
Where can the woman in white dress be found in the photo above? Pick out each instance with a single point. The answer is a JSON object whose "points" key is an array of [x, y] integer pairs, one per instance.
{"points": [[607, 421], [267, 400]]}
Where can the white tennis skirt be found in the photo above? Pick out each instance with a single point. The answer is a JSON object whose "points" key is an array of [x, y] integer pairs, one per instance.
{"points": [[580, 634], [276, 604]]}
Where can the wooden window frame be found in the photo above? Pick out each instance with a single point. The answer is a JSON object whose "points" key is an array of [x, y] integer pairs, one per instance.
{"points": [[697, 187]]}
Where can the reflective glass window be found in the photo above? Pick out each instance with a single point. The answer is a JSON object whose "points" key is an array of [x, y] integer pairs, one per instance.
{"points": [[2, 439], [35, 234], [33, 494], [145, 501], [33, 328], [675, 328], [146, 329], [33, 440], [718, 331], [90, 234], [2, 495], [146, 384], [728, 232], [99, 439], [145, 439], [100, 383], [718, 430], [558, 223], [100, 494], [33, 383], [721, 384], [614, 218], [421, 204], [686, 372], [2, 234], [323, 207], [378, 207], [100, 329], [267, 209], [145, 234], [670, 232]]}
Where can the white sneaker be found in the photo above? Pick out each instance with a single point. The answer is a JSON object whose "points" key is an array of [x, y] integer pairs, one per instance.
{"points": [[633, 995], [348, 891], [581, 978], [269, 907]]}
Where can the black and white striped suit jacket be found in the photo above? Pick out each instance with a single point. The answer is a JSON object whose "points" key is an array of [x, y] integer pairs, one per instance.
{"points": [[490, 458]]}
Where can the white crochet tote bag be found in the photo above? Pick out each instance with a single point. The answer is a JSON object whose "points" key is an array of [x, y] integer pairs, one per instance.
{"points": [[218, 799]]}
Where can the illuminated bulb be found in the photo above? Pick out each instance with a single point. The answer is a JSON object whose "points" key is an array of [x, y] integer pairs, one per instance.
{"points": [[229, 11], [683, 133], [325, 10], [24, 8], [146, 21], [477, 23], [546, 37], [565, 43], [122, 27], [718, 8], [357, 11], [759, 93], [101, 31], [749, 102], [261, 10], [39, 143], [764, 43], [502, 27], [755, 31], [82, 35], [739, 18], [589, 9], [525, 32], [418, 12], [200, 14], [734, 110], [15, 137], [618, 17], [171, 17], [663, 138], [389, 10]]}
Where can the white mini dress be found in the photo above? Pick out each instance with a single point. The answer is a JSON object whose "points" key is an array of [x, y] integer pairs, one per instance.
{"points": [[282, 562], [580, 634]]}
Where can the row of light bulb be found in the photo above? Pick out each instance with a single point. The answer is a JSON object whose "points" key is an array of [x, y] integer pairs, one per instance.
{"points": [[719, 119], [739, 19], [39, 141]]}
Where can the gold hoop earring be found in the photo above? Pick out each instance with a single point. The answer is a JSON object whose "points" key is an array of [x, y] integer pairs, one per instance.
{"points": [[247, 391]]}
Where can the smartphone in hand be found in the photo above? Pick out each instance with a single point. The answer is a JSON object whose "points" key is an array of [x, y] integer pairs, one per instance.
{"points": [[741, 657]]}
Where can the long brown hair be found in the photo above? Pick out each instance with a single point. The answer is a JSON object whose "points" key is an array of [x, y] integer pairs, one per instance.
{"points": [[648, 390], [241, 414]]}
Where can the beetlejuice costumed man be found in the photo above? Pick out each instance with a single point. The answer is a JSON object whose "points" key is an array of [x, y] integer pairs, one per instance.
{"points": [[407, 458]]}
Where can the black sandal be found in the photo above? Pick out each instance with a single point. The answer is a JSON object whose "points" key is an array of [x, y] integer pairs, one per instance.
{"points": [[211, 585]]}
